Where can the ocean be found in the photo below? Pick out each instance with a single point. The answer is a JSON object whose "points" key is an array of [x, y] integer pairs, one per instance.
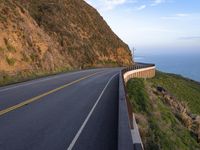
{"points": [[183, 64]]}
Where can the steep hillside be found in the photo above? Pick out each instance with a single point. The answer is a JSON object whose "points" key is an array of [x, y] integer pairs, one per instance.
{"points": [[80, 30], [167, 111], [50, 36], [24, 46]]}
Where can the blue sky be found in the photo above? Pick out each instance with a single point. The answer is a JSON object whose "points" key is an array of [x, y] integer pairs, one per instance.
{"points": [[154, 26]]}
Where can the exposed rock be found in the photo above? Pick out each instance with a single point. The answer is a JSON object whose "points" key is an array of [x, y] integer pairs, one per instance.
{"points": [[180, 109], [161, 89]]}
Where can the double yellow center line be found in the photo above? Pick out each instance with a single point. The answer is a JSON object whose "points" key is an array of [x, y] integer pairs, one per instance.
{"points": [[26, 102]]}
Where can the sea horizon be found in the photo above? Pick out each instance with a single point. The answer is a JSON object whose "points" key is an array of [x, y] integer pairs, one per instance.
{"points": [[186, 65]]}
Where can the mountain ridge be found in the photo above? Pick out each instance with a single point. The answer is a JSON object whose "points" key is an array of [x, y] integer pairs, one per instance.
{"points": [[50, 35]]}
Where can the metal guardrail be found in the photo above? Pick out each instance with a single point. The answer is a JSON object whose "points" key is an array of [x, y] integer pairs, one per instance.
{"points": [[125, 113], [137, 66]]}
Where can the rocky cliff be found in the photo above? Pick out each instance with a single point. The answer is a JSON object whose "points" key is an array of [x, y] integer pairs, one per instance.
{"points": [[49, 35]]}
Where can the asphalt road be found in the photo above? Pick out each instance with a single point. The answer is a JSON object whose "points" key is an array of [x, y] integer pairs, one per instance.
{"points": [[77, 110]]}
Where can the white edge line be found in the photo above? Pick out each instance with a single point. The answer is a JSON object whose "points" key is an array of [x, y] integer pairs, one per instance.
{"points": [[89, 115]]}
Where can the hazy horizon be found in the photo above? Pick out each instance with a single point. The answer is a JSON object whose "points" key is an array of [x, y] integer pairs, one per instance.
{"points": [[154, 26]]}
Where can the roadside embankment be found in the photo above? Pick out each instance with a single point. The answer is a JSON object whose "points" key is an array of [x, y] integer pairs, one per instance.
{"points": [[167, 111]]}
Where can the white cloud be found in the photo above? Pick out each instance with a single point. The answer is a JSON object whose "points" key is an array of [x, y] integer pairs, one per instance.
{"points": [[141, 7], [190, 38], [114, 2], [182, 15], [156, 2], [156, 29], [169, 18], [109, 4], [176, 16]]}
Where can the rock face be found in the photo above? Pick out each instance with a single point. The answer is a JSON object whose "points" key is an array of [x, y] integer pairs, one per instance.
{"points": [[49, 35]]}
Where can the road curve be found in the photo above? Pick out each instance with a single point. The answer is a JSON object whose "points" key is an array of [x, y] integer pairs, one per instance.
{"points": [[77, 110]]}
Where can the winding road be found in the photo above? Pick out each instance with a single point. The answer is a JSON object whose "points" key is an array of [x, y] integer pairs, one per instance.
{"points": [[76, 110]]}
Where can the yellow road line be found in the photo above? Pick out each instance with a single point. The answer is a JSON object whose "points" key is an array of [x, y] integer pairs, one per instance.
{"points": [[2, 112]]}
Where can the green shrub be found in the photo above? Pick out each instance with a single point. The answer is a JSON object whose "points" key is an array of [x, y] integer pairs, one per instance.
{"points": [[1, 49], [9, 46], [34, 57], [2, 17], [10, 61], [24, 57]]}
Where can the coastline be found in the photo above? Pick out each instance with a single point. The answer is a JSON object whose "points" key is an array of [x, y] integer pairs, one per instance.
{"points": [[186, 65]]}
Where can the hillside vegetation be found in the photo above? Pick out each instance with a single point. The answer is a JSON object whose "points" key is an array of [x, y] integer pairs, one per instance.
{"points": [[169, 119], [48, 36]]}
